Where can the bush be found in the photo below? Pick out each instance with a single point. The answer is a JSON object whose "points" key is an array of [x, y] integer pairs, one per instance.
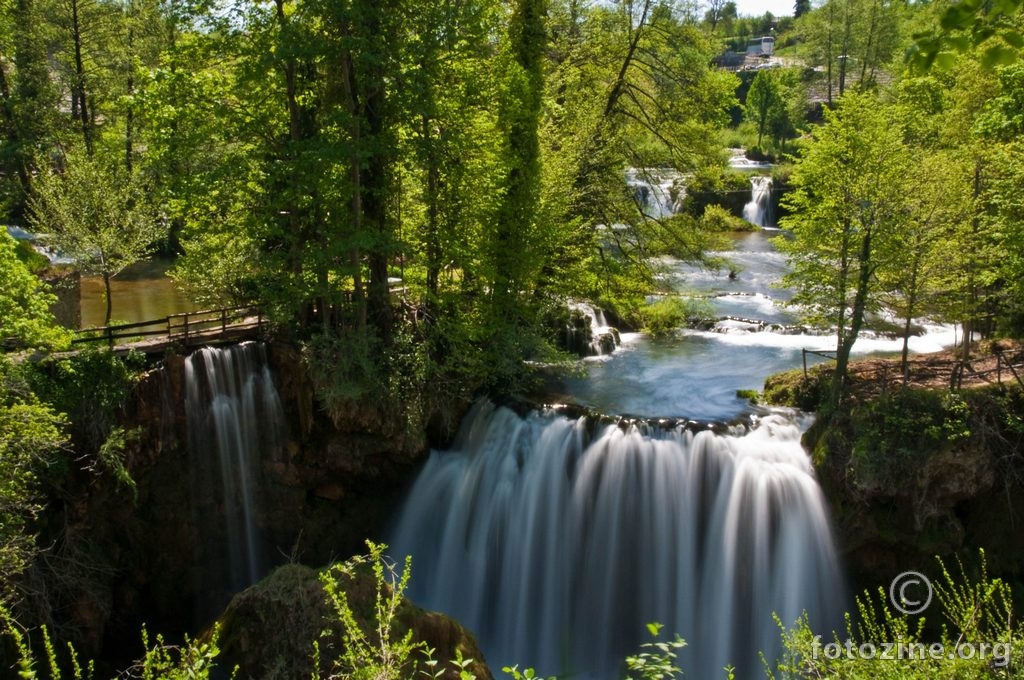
{"points": [[716, 218], [978, 611], [668, 314]]}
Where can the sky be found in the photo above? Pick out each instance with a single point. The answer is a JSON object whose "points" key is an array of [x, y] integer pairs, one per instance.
{"points": [[758, 7]]}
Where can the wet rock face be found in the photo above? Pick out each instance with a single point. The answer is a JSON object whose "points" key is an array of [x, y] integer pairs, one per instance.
{"points": [[333, 482], [950, 501], [268, 630]]}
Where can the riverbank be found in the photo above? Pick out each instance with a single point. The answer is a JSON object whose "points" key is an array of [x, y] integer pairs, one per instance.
{"points": [[915, 469]]}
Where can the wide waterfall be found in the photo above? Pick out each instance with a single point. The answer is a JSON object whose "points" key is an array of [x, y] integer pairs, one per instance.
{"points": [[557, 539], [758, 210], [234, 418]]}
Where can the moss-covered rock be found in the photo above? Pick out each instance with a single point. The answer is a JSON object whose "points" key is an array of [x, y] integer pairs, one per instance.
{"points": [[914, 473], [797, 389], [268, 630]]}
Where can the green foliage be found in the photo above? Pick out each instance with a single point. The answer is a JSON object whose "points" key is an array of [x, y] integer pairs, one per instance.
{"points": [[793, 388], [718, 219], [656, 660], [25, 318], [90, 387], [672, 313], [30, 439], [712, 185], [977, 610], [851, 41], [370, 650], [33, 259], [97, 214], [847, 207], [993, 29], [893, 430], [194, 660]]}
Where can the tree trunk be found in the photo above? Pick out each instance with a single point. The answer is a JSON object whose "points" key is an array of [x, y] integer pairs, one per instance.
{"points": [[432, 237], [110, 302], [80, 102], [864, 273], [375, 186]]}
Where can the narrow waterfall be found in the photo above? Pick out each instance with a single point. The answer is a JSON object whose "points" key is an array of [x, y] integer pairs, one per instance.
{"points": [[556, 540], [758, 210], [588, 333], [234, 419]]}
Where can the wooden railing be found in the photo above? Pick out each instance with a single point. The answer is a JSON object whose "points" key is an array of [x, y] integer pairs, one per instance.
{"points": [[187, 327]]}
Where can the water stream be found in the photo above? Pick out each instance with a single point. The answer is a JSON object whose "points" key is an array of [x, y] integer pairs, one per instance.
{"points": [[758, 211], [557, 539], [235, 420], [697, 373]]}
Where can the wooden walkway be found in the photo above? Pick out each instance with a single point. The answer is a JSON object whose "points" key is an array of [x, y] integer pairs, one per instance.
{"points": [[186, 330]]}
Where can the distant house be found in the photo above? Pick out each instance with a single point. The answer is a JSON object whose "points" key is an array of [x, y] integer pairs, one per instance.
{"points": [[761, 47]]}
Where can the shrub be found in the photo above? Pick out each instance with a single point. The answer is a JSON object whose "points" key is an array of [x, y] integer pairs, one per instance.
{"points": [[668, 314], [978, 611]]}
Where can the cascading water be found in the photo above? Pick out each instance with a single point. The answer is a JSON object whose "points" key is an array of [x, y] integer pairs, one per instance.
{"points": [[588, 333], [758, 210], [556, 540], [234, 419], [658, 191]]}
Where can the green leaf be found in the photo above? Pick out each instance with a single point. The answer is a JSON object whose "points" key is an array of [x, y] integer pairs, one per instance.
{"points": [[998, 55], [959, 16], [1013, 38], [945, 61]]}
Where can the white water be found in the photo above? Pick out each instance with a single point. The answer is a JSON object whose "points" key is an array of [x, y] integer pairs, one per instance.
{"points": [[696, 373], [659, 192], [556, 540], [234, 417], [758, 210], [738, 161], [599, 337]]}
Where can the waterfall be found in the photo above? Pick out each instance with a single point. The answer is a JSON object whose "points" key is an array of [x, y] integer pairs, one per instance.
{"points": [[556, 540], [658, 191], [758, 210], [234, 420], [588, 333]]}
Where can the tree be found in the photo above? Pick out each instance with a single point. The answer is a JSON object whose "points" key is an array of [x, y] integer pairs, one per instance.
{"points": [[801, 8], [938, 200], [716, 13], [29, 437], [512, 250], [25, 317], [848, 202], [95, 214], [852, 39], [28, 101], [765, 102]]}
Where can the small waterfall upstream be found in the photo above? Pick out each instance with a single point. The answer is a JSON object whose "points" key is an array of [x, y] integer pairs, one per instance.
{"points": [[556, 540], [658, 192], [234, 419], [758, 210], [588, 333]]}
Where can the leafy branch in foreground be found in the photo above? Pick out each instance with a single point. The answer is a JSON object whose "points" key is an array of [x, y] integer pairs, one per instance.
{"points": [[979, 638], [375, 655]]}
